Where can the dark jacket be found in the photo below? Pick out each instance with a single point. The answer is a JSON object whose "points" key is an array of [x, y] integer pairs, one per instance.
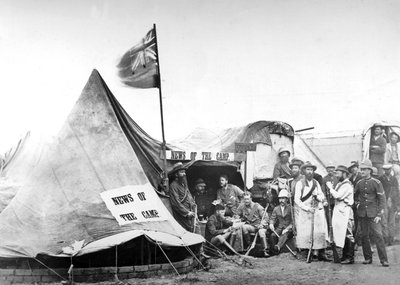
{"points": [[282, 170], [215, 226], [182, 203], [370, 196], [391, 188], [377, 155], [281, 220], [355, 178]]}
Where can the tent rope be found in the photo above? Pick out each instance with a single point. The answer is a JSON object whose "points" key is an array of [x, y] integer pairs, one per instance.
{"points": [[168, 258], [50, 269], [195, 257], [116, 263]]}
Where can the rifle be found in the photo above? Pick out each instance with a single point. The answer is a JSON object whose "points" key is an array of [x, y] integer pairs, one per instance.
{"points": [[253, 244], [309, 258], [336, 258], [292, 207]]}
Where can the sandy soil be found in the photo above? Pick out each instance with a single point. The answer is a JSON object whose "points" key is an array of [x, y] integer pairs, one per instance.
{"points": [[285, 269]]}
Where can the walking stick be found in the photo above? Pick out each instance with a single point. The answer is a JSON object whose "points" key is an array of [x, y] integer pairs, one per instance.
{"points": [[253, 244], [336, 258], [294, 254], [309, 258]]}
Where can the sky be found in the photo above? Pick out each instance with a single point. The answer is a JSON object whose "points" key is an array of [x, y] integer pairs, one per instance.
{"points": [[331, 65]]}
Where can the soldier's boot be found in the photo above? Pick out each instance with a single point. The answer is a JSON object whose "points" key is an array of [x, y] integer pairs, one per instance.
{"points": [[265, 245], [233, 239], [349, 253], [345, 250], [247, 239]]}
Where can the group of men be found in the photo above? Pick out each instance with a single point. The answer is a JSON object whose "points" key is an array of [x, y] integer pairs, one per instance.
{"points": [[347, 199]]}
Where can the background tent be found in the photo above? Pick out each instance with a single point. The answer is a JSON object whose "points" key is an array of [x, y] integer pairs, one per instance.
{"points": [[345, 146], [269, 137], [58, 201]]}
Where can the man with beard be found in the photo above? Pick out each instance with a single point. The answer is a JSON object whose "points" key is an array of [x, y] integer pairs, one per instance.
{"points": [[282, 169], [281, 223], [377, 148], [309, 200], [342, 218], [255, 218], [229, 195], [370, 196], [203, 199], [295, 167], [391, 188], [182, 202]]}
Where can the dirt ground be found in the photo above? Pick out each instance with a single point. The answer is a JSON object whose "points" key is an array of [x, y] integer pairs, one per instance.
{"points": [[285, 269]]}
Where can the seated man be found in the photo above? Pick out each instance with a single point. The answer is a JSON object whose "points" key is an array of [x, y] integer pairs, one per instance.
{"points": [[282, 168], [218, 228], [229, 195], [280, 223], [255, 219]]}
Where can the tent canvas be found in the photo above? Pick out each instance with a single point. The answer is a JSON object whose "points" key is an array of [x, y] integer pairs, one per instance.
{"points": [[59, 200]]}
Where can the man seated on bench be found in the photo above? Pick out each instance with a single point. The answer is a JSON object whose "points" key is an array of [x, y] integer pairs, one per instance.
{"points": [[255, 218], [280, 223], [218, 228]]}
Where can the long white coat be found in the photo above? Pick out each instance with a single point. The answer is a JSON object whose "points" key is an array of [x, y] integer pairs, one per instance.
{"points": [[303, 217], [343, 194]]}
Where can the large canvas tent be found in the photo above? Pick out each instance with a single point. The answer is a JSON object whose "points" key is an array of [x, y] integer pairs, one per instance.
{"points": [[57, 200]]}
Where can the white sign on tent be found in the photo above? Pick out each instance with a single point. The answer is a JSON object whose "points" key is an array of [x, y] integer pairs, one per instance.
{"points": [[134, 204]]}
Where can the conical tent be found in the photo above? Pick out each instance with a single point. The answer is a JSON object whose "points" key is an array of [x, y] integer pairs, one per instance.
{"points": [[59, 199]]}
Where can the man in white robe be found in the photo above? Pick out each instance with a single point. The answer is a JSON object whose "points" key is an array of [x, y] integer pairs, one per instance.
{"points": [[310, 214], [343, 218]]}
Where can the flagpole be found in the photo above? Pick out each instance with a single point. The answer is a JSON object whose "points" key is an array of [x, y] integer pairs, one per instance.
{"points": [[165, 176]]}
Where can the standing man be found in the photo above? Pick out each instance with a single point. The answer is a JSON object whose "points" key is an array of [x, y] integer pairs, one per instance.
{"points": [[370, 197], [295, 168], [392, 155], [377, 148], [281, 223], [309, 200], [255, 220], [203, 199], [330, 177], [282, 169], [342, 220], [182, 202], [355, 174], [391, 188], [229, 195]]}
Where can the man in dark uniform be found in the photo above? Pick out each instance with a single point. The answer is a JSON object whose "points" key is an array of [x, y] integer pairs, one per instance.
{"points": [[182, 202], [282, 168], [370, 197], [391, 188], [203, 199]]}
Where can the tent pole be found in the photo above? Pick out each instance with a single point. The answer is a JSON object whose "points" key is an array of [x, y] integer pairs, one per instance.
{"points": [[165, 176]]}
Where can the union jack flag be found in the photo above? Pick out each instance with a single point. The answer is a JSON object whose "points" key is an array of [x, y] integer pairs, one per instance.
{"points": [[138, 66]]}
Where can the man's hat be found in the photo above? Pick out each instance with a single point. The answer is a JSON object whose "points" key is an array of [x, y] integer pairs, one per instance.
{"points": [[309, 165], [366, 164], [387, 166], [283, 149], [352, 165], [396, 134], [178, 166], [200, 181], [283, 194], [342, 168], [297, 162], [377, 125], [330, 165]]}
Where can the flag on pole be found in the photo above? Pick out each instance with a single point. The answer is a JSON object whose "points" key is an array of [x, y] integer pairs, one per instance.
{"points": [[138, 66]]}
